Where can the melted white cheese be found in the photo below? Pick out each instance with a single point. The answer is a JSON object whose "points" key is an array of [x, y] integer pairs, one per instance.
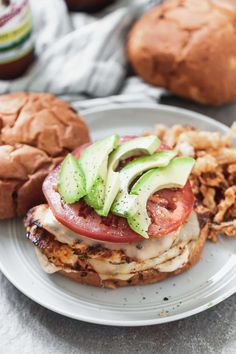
{"points": [[165, 254], [175, 263], [47, 266], [141, 250], [178, 254]]}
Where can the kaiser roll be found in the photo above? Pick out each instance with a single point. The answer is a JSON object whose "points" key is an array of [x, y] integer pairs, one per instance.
{"points": [[36, 132], [188, 47]]}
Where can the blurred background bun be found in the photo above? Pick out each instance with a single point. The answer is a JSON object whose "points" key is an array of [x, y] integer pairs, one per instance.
{"points": [[36, 132], [87, 5], [188, 47]]}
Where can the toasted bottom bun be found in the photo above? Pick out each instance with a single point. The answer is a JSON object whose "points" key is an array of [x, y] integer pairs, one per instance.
{"points": [[140, 278]]}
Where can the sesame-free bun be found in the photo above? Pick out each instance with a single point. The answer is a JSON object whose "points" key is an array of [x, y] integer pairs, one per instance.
{"points": [[36, 132], [188, 47], [41, 120], [148, 276], [22, 171]]}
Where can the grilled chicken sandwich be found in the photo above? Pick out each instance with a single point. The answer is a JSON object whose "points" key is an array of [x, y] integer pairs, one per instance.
{"points": [[120, 212]]}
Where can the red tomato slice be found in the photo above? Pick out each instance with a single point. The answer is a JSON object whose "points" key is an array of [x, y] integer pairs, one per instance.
{"points": [[168, 210]]}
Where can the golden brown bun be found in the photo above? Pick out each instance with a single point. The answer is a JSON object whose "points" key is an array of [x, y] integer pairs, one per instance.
{"points": [[36, 131], [22, 171], [143, 277], [41, 120], [87, 5], [188, 47]]}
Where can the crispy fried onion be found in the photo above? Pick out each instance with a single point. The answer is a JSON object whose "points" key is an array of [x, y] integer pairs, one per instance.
{"points": [[213, 178]]}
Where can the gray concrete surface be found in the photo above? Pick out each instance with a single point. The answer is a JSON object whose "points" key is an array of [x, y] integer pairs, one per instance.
{"points": [[26, 327]]}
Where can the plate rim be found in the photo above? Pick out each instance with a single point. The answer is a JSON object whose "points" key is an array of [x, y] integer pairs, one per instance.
{"points": [[155, 106], [122, 323], [145, 322]]}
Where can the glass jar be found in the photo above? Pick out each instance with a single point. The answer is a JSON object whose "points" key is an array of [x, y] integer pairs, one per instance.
{"points": [[16, 42]]}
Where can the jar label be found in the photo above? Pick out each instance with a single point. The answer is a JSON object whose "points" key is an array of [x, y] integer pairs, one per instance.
{"points": [[15, 32]]}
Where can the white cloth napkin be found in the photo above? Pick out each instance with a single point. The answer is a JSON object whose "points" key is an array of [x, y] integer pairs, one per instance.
{"points": [[81, 57]]}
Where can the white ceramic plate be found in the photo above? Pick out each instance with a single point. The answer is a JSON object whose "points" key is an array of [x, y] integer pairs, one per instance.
{"points": [[212, 280]]}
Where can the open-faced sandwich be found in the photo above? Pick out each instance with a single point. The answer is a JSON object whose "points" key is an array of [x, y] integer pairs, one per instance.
{"points": [[120, 212]]}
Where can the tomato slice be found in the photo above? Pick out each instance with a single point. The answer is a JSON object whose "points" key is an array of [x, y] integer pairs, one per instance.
{"points": [[168, 210]]}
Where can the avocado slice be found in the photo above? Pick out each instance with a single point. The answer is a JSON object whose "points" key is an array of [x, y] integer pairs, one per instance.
{"points": [[134, 169], [175, 175], [94, 162], [147, 145], [71, 181]]}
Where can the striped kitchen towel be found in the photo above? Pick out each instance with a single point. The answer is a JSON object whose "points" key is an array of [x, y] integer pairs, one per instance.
{"points": [[82, 57]]}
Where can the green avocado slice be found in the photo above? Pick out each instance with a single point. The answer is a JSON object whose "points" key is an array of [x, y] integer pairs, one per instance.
{"points": [[175, 175], [71, 181], [94, 163], [147, 145], [134, 169]]}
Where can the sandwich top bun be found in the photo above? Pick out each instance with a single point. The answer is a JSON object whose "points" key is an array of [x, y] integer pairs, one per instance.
{"points": [[41, 120], [36, 132], [188, 47]]}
